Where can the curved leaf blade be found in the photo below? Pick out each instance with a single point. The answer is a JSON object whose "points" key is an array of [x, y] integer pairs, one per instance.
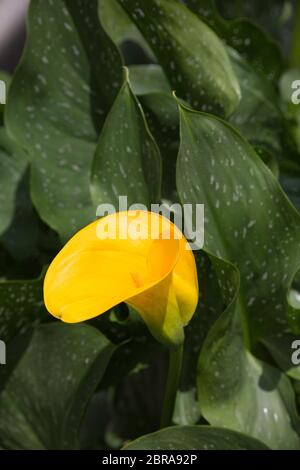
{"points": [[237, 390], [120, 28], [194, 59], [195, 438], [217, 167], [127, 160], [44, 399], [258, 115], [260, 50], [146, 79], [55, 112]]}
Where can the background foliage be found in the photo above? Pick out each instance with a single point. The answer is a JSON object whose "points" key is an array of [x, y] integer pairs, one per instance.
{"points": [[77, 130]]}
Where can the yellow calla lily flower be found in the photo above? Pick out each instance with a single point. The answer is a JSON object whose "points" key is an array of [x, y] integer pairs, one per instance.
{"points": [[136, 257]]}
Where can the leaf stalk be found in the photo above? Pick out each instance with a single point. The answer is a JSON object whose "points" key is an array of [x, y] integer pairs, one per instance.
{"points": [[174, 371]]}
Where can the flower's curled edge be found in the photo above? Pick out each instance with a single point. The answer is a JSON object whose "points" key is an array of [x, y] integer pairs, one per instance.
{"points": [[136, 257]]}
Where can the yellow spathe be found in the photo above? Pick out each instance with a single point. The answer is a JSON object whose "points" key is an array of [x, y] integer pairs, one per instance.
{"points": [[136, 257]]}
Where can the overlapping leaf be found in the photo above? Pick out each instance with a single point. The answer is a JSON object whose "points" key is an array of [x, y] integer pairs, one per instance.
{"points": [[12, 168], [270, 14], [218, 168], [44, 399], [119, 27], [137, 402], [257, 116], [195, 438], [127, 160], [244, 36], [209, 308], [68, 77], [18, 219], [154, 93], [194, 59]]}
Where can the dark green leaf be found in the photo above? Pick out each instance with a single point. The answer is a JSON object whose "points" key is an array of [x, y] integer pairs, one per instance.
{"points": [[194, 59], [218, 168], [21, 237], [19, 223], [195, 438], [271, 15], [210, 306], [21, 305], [12, 168], [151, 85], [127, 160], [269, 159], [241, 392], [247, 38], [257, 116], [163, 120], [119, 26], [45, 397], [137, 402], [68, 78]]}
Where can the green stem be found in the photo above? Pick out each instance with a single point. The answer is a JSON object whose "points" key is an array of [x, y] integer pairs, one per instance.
{"points": [[295, 46], [175, 361]]}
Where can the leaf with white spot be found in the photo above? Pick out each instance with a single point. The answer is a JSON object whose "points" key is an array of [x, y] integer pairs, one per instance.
{"points": [[195, 438], [239, 391], [194, 59], [45, 397], [127, 160], [154, 93], [66, 82], [253, 43], [119, 26], [249, 223], [21, 306]]}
